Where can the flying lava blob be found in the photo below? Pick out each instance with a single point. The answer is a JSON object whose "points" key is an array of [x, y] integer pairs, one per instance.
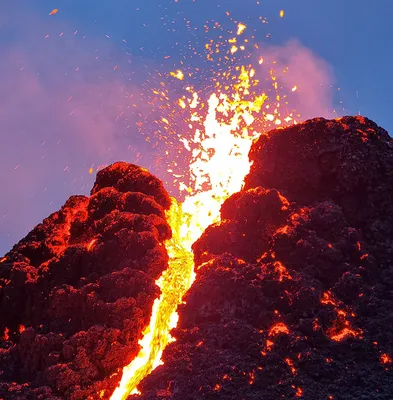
{"points": [[224, 127]]}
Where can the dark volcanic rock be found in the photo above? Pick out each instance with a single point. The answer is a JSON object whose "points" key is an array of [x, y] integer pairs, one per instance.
{"points": [[348, 160], [77, 291], [294, 289]]}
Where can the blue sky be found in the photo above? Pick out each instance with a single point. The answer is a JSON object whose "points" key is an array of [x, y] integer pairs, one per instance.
{"points": [[65, 78]]}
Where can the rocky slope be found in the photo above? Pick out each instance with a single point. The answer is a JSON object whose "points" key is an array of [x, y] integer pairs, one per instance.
{"points": [[77, 291], [294, 289], [294, 292]]}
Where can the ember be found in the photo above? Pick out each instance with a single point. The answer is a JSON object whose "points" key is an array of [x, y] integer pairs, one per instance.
{"points": [[385, 359]]}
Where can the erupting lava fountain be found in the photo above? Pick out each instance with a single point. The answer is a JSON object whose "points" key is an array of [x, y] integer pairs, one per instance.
{"points": [[238, 111]]}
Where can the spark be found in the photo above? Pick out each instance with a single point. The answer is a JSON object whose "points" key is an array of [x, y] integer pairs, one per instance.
{"points": [[241, 28], [234, 49], [178, 74]]}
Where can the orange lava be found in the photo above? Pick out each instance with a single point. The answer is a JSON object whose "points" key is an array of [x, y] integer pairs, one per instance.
{"points": [[223, 129], [278, 328], [284, 230], [299, 392], [59, 238], [291, 366], [217, 388], [6, 334], [385, 359], [328, 299], [341, 329], [91, 244], [342, 334], [283, 272]]}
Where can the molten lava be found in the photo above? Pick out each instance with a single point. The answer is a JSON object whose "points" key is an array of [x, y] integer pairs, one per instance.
{"points": [[219, 162], [174, 282]]}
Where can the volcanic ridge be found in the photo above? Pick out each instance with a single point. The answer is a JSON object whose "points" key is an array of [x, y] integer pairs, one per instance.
{"points": [[293, 296]]}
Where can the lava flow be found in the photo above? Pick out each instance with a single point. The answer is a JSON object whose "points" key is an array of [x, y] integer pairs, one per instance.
{"points": [[220, 148]]}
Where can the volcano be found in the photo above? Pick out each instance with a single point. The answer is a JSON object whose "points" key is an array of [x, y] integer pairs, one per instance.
{"points": [[293, 295]]}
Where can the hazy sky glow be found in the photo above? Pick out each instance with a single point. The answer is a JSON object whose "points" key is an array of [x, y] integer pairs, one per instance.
{"points": [[68, 81]]}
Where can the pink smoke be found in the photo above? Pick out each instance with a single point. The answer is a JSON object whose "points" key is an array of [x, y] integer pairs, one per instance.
{"points": [[295, 65], [64, 107]]}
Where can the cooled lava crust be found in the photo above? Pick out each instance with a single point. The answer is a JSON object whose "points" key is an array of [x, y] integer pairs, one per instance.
{"points": [[294, 292], [77, 291]]}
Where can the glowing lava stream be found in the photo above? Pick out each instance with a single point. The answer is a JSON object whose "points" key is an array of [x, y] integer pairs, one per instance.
{"points": [[220, 162], [226, 170], [174, 283]]}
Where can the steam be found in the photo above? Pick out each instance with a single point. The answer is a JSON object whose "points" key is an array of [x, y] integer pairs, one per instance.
{"points": [[312, 76], [63, 108]]}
